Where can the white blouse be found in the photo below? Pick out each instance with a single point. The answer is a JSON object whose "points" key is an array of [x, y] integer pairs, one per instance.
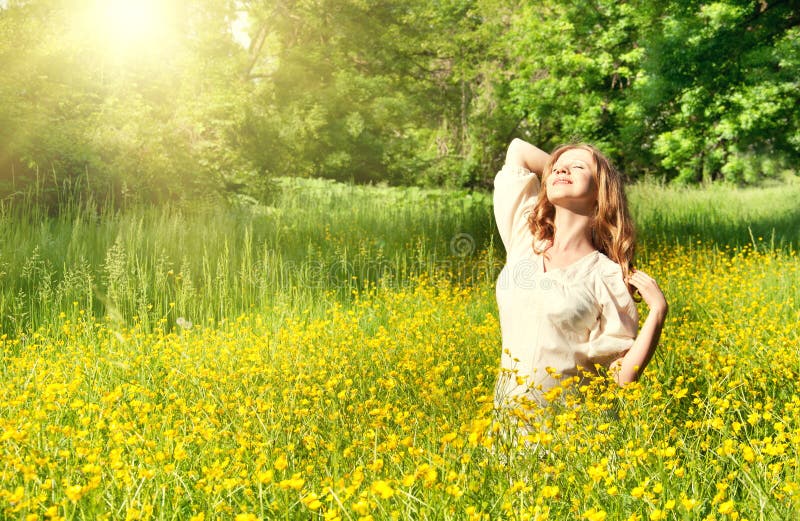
{"points": [[555, 324]]}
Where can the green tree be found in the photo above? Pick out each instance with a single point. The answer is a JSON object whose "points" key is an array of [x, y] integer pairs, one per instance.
{"points": [[404, 91], [559, 72], [717, 96], [363, 90], [143, 120]]}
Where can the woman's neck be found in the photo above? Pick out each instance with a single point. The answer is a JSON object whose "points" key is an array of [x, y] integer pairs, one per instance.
{"points": [[573, 232]]}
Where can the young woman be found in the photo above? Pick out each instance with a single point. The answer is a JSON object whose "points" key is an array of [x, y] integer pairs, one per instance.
{"points": [[565, 294]]}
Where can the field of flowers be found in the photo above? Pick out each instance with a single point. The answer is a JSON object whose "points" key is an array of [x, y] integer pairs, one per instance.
{"points": [[370, 396]]}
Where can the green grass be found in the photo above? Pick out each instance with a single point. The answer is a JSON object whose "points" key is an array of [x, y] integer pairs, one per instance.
{"points": [[341, 356], [207, 263], [719, 214]]}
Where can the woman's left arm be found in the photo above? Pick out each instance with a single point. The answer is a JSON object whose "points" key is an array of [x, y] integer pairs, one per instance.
{"points": [[629, 367]]}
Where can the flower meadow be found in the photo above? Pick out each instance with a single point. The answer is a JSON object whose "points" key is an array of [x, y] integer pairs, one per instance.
{"points": [[373, 399]]}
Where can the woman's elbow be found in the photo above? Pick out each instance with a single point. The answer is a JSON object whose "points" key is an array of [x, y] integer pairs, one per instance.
{"points": [[514, 153]]}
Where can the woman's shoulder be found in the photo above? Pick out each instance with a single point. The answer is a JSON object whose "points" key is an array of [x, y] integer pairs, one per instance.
{"points": [[610, 282], [607, 269]]}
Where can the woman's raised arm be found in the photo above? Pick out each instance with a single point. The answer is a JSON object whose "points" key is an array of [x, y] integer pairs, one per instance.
{"points": [[522, 153], [516, 187]]}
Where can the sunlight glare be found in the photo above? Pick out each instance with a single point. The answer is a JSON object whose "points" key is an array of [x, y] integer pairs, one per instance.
{"points": [[129, 23]]}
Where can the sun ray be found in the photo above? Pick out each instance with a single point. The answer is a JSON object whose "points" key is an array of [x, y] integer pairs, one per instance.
{"points": [[130, 25]]}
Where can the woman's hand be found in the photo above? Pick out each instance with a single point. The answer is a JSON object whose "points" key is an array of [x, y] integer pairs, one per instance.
{"points": [[650, 292]]}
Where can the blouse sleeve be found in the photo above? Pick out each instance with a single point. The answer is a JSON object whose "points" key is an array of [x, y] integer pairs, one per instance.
{"points": [[515, 191], [616, 328]]}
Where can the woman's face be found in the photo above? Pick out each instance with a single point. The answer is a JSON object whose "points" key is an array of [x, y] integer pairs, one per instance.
{"points": [[572, 179]]}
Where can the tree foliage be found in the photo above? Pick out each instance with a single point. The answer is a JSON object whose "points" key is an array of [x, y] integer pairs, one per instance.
{"points": [[719, 89], [149, 123], [405, 91], [677, 90]]}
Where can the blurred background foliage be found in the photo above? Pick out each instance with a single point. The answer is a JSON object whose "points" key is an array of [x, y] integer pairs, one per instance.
{"points": [[218, 97]]}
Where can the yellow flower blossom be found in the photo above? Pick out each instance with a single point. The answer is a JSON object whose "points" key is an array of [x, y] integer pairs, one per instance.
{"points": [[74, 492], [594, 514], [726, 508], [382, 489], [280, 463], [382, 406]]}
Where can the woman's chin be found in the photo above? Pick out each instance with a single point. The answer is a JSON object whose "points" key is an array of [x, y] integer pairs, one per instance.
{"points": [[571, 200]]}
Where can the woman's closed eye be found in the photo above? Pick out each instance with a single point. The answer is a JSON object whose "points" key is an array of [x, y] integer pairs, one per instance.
{"points": [[575, 165]]}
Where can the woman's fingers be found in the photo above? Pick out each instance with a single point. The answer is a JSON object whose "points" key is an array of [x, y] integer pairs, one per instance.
{"points": [[640, 278], [643, 282], [640, 275], [649, 290]]}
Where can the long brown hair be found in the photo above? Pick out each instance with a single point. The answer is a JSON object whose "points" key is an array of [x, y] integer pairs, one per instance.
{"points": [[613, 231]]}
